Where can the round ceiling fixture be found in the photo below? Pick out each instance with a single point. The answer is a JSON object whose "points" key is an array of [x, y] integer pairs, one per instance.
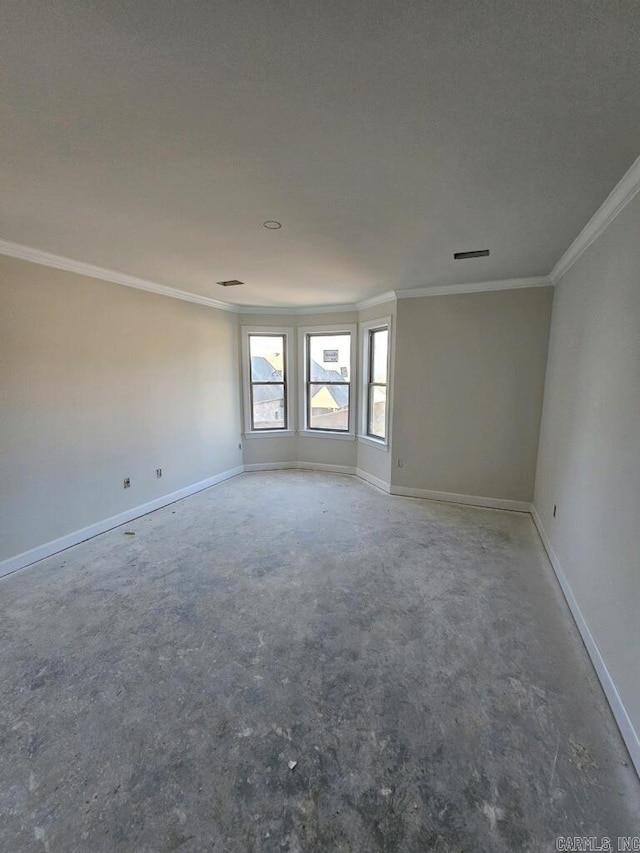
{"points": [[272, 225]]}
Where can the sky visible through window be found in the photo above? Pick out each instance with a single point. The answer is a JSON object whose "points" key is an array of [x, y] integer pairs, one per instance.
{"points": [[331, 352]]}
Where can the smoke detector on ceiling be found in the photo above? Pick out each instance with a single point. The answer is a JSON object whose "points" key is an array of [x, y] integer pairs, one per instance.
{"points": [[232, 282], [477, 253]]}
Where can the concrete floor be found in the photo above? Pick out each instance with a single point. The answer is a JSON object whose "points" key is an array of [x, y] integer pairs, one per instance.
{"points": [[415, 658]]}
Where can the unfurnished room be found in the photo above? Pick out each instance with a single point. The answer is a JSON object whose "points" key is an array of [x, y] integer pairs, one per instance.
{"points": [[319, 426]]}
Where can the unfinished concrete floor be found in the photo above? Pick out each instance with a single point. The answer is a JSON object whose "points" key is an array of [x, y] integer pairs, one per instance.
{"points": [[414, 658]]}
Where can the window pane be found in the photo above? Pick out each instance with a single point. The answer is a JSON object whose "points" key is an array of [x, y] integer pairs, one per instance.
{"points": [[377, 411], [267, 358], [379, 352], [329, 406], [268, 407], [329, 358]]}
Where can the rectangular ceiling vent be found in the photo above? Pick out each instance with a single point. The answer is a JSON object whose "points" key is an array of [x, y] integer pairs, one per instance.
{"points": [[232, 282], [478, 253]]}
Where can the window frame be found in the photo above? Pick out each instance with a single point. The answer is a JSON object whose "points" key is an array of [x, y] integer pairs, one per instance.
{"points": [[304, 333], [366, 330], [247, 385]]}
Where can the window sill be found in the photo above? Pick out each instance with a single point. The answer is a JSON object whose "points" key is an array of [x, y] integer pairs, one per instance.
{"points": [[311, 433], [380, 443], [270, 433]]}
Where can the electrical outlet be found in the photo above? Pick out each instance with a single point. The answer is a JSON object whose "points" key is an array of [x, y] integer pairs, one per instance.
{"points": [[158, 472], [127, 482], [400, 463], [555, 510]]}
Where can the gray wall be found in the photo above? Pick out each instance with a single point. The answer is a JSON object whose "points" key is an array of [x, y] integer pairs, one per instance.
{"points": [[589, 459], [99, 382], [469, 378]]}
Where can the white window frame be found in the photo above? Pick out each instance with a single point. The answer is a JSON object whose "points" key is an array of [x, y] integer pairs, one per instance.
{"points": [[290, 383], [365, 330], [327, 329]]}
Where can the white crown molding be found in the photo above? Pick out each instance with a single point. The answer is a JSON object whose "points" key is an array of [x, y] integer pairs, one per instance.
{"points": [[297, 312], [389, 296], [624, 191], [475, 287], [469, 500], [621, 195], [47, 259], [393, 295]]}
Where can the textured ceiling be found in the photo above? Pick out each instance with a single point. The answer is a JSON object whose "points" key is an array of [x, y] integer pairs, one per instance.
{"points": [[154, 138]]}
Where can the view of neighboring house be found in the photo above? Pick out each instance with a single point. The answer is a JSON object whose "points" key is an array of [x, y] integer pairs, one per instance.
{"points": [[329, 402], [268, 400]]}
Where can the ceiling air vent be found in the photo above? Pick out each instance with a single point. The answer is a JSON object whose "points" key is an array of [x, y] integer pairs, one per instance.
{"points": [[478, 253], [232, 282]]}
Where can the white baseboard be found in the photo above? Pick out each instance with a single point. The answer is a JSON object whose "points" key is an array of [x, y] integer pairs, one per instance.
{"points": [[627, 730], [374, 481], [469, 500], [320, 466], [449, 497], [12, 564], [270, 466], [305, 466]]}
